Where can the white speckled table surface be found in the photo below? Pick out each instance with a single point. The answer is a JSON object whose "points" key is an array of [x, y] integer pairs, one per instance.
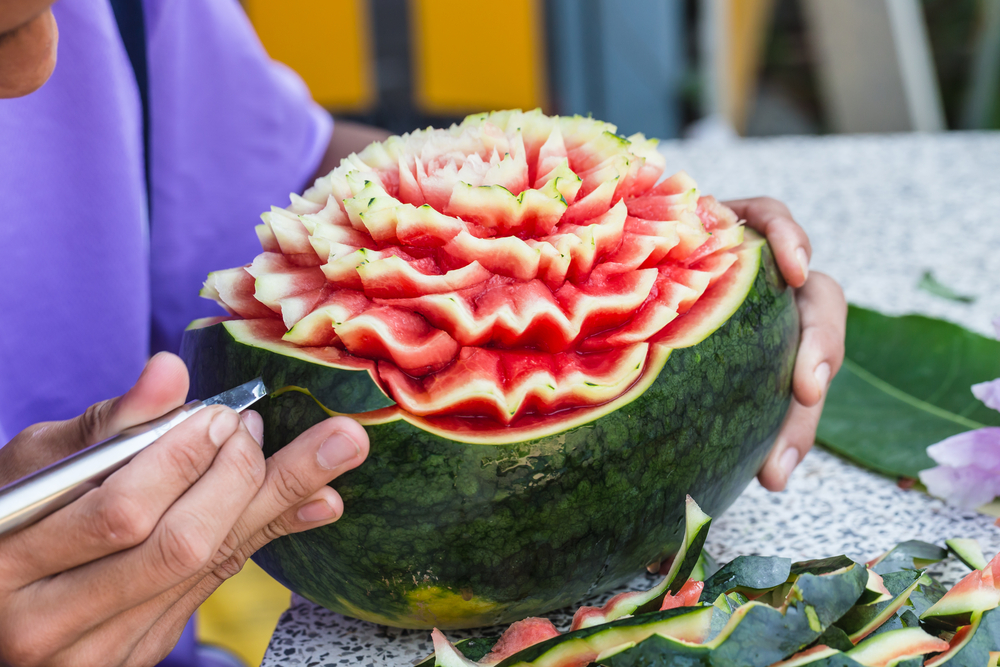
{"points": [[879, 210]]}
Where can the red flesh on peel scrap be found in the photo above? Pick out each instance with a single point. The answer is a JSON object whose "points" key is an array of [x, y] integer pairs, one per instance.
{"points": [[519, 636]]}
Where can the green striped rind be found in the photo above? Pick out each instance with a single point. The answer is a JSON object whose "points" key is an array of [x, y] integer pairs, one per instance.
{"points": [[863, 619], [440, 533], [688, 623], [474, 649], [968, 551], [749, 575], [974, 650], [696, 525], [912, 554], [758, 635]]}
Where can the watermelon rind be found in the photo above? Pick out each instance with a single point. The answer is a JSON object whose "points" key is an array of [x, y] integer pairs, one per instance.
{"points": [[749, 575], [895, 647], [687, 624], [440, 533], [696, 526], [473, 650], [758, 635], [912, 554], [973, 648], [863, 619], [968, 551]]}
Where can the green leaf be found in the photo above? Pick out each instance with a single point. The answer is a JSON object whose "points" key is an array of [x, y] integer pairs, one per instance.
{"points": [[905, 385], [930, 284]]}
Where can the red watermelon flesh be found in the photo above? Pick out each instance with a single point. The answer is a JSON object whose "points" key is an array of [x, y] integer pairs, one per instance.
{"points": [[512, 266], [519, 636], [687, 596], [977, 592]]}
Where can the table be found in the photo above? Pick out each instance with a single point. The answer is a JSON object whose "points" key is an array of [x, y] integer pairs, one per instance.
{"points": [[880, 210]]}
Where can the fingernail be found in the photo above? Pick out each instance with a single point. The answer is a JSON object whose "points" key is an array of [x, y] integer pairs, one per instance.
{"points": [[800, 254], [255, 425], [822, 374], [317, 510], [337, 450], [223, 426], [789, 459]]}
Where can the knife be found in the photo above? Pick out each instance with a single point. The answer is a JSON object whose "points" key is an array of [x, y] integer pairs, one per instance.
{"points": [[34, 497]]}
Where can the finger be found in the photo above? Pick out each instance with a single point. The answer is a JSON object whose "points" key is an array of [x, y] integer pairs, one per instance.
{"points": [[254, 424], [142, 633], [294, 497], [136, 636], [789, 241], [191, 538], [294, 474], [161, 387], [153, 629], [823, 315], [792, 444], [125, 509]]}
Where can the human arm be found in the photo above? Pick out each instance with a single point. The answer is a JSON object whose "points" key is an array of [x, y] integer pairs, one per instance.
{"points": [[348, 137], [112, 578], [823, 320]]}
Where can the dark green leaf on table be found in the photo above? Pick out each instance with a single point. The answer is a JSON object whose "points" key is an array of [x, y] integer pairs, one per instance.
{"points": [[904, 386], [931, 285]]}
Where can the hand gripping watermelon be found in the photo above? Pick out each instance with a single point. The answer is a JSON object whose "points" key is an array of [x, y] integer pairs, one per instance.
{"points": [[548, 349]]}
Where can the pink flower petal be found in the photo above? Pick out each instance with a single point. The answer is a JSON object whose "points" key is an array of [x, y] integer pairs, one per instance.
{"points": [[988, 393], [979, 448], [967, 487], [996, 326]]}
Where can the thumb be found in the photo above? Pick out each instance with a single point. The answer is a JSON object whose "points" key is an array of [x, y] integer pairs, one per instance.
{"points": [[161, 387]]}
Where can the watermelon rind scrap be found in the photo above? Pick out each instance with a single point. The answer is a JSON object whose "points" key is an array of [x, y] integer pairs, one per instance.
{"points": [[968, 551], [685, 624], [912, 554], [974, 646], [749, 575], [696, 526], [863, 619]]}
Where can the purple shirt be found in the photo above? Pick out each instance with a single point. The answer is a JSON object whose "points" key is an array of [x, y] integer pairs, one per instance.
{"points": [[85, 283], [88, 287]]}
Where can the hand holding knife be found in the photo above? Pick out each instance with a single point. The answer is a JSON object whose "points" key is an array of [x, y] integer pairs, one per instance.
{"points": [[36, 496]]}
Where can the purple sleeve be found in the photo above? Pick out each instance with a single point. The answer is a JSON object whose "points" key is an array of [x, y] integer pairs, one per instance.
{"points": [[233, 133]]}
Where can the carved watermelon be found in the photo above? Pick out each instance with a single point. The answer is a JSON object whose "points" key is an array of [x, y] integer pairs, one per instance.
{"points": [[548, 349]]}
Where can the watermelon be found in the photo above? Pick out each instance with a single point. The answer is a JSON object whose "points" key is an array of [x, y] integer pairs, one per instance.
{"points": [[977, 592], [549, 345]]}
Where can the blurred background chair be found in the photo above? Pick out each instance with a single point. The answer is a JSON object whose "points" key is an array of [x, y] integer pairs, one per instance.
{"points": [[665, 67]]}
